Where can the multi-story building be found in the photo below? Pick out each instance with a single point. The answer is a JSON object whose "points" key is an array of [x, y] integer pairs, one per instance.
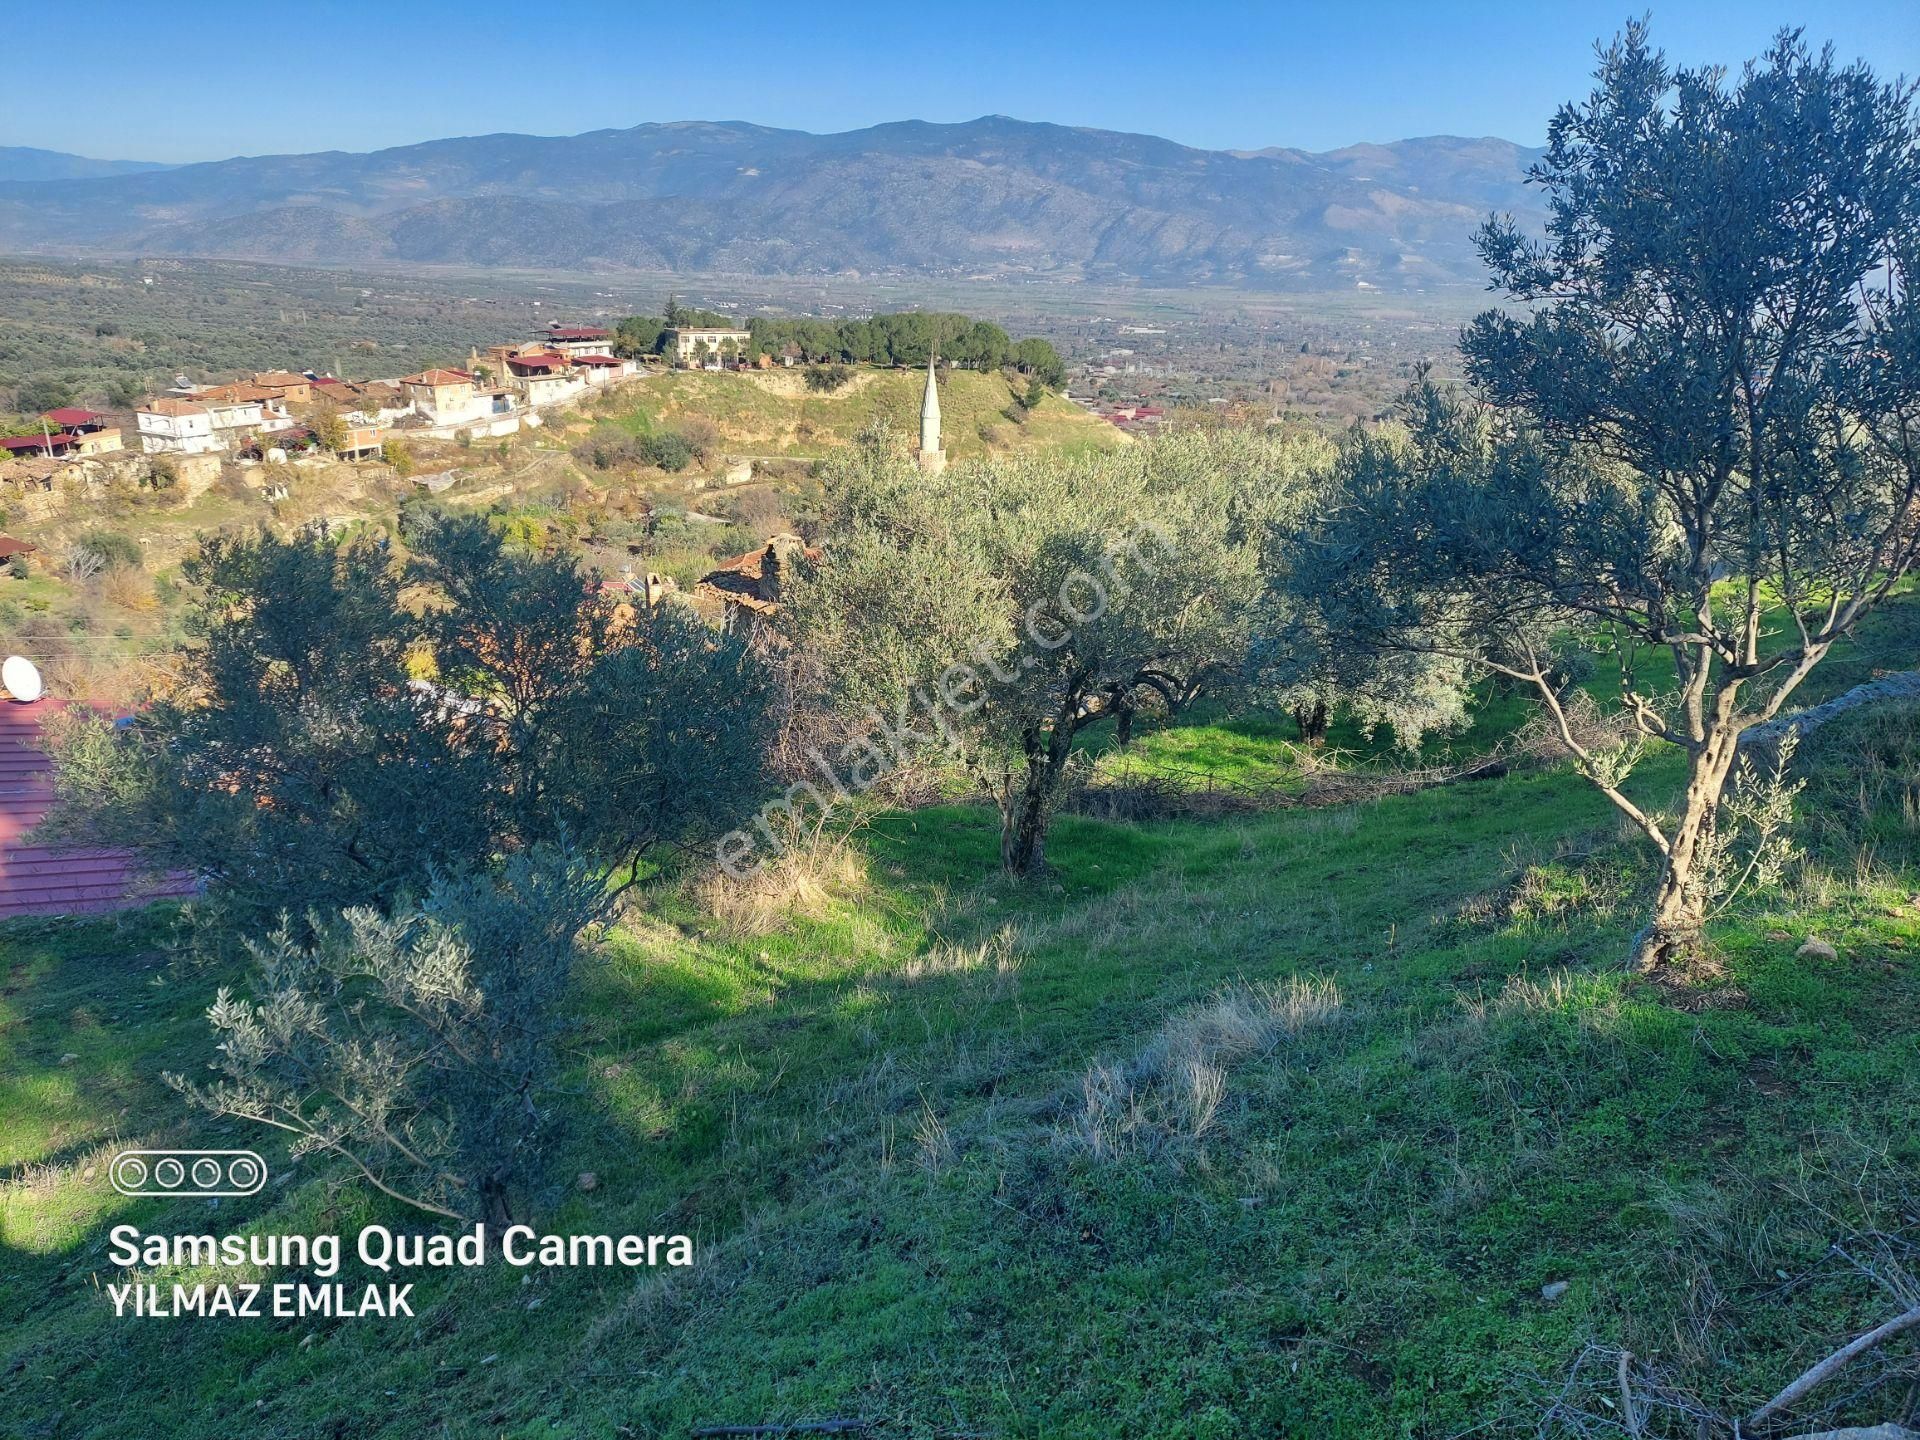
{"points": [[171, 425], [445, 397], [544, 379], [284, 386], [708, 344], [571, 340]]}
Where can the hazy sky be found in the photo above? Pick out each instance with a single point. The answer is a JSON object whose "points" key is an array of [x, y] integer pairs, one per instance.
{"points": [[207, 80]]}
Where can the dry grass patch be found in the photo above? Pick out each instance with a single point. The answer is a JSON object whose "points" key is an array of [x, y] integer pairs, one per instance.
{"points": [[814, 873], [1173, 1089], [128, 588]]}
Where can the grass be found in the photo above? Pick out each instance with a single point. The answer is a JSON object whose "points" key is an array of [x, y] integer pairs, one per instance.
{"points": [[1275, 1125], [774, 414], [1215, 745]]}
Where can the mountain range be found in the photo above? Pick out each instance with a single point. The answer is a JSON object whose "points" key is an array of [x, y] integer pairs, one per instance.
{"points": [[23, 162], [992, 197]]}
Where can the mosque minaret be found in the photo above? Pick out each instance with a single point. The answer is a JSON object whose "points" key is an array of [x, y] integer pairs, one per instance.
{"points": [[933, 459]]}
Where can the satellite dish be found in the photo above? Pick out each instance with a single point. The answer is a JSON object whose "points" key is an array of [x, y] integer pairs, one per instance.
{"points": [[22, 678]]}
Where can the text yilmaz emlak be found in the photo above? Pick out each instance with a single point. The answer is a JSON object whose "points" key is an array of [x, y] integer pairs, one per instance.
{"points": [[377, 1247]]}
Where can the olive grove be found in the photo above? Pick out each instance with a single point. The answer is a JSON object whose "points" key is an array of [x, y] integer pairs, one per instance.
{"points": [[1701, 439]]}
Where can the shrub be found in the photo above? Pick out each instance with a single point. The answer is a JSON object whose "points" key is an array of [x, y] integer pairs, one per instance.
{"points": [[762, 512], [416, 515], [702, 437], [666, 451], [115, 551], [306, 775], [609, 448], [434, 1030], [828, 378], [399, 455], [82, 564]]}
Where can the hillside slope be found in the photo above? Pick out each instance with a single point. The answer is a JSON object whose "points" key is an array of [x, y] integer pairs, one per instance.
{"points": [[990, 196], [950, 1172], [775, 414]]}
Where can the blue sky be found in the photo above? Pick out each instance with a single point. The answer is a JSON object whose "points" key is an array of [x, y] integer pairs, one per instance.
{"points": [[206, 79]]}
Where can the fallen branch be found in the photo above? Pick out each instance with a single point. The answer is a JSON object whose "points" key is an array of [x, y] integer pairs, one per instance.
{"points": [[1816, 1375], [1904, 684], [1629, 1411]]}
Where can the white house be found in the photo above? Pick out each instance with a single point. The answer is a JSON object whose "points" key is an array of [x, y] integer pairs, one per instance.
{"points": [[174, 426], [599, 370], [575, 340], [687, 339], [545, 379], [237, 419]]}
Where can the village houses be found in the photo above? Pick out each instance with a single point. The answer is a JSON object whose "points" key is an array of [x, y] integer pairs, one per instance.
{"points": [[67, 431], [492, 397]]}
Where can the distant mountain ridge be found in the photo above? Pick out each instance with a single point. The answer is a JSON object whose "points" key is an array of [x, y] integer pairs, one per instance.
{"points": [[993, 196], [23, 162]]}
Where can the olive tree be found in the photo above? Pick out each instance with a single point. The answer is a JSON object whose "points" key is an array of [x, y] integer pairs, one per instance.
{"points": [[433, 848], [618, 725], [288, 768], [998, 611], [1698, 441], [306, 764], [418, 1047]]}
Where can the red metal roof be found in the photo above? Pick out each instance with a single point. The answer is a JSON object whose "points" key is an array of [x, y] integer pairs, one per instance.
{"points": [[35, 880], [37, 444], [575, 332], [73, 415], [595, 360]]}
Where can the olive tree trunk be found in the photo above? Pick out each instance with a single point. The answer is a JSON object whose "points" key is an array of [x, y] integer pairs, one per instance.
{"points": [[1026, 807], [1677, 925], [1312, 720]]}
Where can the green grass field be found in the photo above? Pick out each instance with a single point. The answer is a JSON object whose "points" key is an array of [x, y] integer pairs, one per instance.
{"points": [[1275, 1125]]}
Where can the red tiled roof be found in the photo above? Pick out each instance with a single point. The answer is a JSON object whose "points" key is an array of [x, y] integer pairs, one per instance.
{"points": [[235, 394], [166, 405], [35, 880], [439, 377], [737, 582]]}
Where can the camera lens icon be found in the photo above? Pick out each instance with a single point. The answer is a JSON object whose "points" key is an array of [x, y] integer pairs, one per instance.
{"points": [[187, 1174]]}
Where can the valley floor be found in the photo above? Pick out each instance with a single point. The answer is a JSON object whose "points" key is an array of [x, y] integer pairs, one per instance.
{"points": [[1271, 1124]]}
